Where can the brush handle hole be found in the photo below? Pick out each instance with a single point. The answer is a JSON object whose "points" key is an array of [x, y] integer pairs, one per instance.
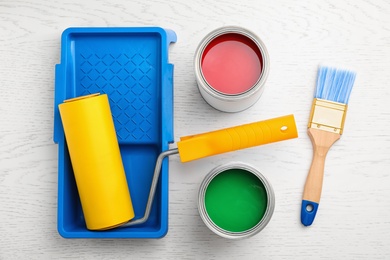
{"points": [[309, 208], [284, 129]]}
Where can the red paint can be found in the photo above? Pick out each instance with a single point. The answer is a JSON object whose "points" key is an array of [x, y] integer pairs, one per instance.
{"points": [[231, 67]]}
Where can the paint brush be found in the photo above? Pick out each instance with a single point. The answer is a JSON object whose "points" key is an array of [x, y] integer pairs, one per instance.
{"points": [[325, 127]]}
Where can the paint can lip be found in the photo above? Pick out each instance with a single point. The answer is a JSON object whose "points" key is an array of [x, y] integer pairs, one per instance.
{"points": [[202, 82], [229, 234]]}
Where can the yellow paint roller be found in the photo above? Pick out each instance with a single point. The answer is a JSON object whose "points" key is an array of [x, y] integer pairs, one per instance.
{"points": [[97, 165], [96, 161]]}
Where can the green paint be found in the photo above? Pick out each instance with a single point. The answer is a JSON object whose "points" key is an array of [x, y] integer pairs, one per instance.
{"points": [[236, 200]]}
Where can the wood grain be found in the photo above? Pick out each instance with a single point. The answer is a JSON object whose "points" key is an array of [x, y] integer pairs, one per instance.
{"points": [[355, 206], [322, 141]]}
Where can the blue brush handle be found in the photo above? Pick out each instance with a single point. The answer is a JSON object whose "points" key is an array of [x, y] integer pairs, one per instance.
{"points": [[308, 212]]}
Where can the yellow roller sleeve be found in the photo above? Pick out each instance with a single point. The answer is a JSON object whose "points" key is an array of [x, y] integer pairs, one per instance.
{"points": [[235, 138], [96, 161]]}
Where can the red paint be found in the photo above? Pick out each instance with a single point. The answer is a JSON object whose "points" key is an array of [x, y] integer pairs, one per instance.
{"points": [[231, 63]]}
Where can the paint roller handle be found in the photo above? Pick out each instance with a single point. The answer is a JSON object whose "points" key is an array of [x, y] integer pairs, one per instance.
{"points": [[238, 137]]}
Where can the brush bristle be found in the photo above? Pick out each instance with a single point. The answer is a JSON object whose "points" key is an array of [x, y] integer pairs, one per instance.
{"points": [[334, 84]]}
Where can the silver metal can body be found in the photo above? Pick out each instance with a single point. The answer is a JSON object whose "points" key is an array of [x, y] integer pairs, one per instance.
{"points": [[231, 102], [229, 234]]}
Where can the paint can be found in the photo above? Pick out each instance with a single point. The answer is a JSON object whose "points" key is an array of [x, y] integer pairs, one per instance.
{"points": [[236, 201], [231, 67]]}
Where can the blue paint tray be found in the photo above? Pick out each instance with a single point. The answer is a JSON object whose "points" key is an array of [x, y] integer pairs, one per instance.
{"points": [[131, 66]]}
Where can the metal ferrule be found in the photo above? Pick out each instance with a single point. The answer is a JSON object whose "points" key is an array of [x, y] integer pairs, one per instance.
{"points": [[327, 115]]}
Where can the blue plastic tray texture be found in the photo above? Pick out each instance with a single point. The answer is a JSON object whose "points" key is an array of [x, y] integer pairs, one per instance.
{"points": [[131, 66]]}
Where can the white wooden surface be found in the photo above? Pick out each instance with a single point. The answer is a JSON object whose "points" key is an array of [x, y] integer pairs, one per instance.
{"points": [[353, 221]]}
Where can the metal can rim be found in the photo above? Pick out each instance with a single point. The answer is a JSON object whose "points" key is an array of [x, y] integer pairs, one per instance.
{"points": [[229, 234]]}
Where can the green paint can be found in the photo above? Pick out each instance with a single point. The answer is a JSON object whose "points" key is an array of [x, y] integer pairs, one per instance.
{"points": [[236, 201]]}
